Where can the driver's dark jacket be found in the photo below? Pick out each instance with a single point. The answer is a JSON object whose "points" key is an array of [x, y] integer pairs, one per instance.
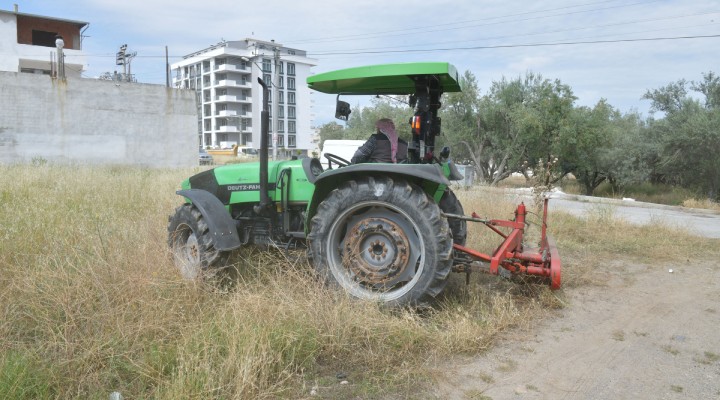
{"points": [[377, 149]]}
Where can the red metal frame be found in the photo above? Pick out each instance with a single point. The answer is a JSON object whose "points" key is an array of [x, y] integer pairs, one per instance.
{"points": [[511, 255]]}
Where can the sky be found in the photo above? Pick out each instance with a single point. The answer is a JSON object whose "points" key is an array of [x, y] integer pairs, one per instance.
{"points": [[614, 50]]}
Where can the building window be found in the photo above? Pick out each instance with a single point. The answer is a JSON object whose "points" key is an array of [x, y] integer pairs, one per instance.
{"points": [[266, 65], [291, 68], [280, 68], [280, 83], [43, 38], [291, 126], [280, 140], [291, 83], [291, 97], [281, 125], [291, 52], [291, 141], [281, 111], [291, 112], [281, 97], [267, 79]]}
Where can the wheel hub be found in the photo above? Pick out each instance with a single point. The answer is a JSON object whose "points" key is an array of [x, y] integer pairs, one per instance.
{"points": [[377, 252]]}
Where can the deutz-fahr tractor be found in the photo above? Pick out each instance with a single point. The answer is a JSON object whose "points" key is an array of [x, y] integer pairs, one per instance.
{"points": [[390, 233]]}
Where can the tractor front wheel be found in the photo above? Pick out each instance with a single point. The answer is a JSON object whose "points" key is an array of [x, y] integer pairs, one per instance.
{"points": [[383, 240], [191, 244]]}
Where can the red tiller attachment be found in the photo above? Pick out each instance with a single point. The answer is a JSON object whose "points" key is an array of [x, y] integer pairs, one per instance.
{"points": [[511, 257]]}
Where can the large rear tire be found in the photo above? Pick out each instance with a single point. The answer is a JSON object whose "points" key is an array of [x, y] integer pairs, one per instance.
{"points": [[382, 240], [191, 244], [450, 204]]}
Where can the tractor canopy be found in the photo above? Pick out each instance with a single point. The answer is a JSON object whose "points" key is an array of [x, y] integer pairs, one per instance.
{"points": [[385, 78]]}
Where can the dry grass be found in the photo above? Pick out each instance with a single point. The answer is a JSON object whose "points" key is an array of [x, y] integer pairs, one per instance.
{"points": [[90, 302], [704, 203]]}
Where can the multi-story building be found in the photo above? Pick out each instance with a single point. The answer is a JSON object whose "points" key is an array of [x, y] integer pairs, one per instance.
{"points": [[224, 77], [28, 43]]}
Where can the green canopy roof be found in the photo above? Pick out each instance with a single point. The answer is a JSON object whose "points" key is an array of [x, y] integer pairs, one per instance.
{"points": [[384, 78]]}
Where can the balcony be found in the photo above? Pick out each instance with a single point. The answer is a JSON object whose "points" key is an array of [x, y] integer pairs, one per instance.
{"points": [[227, 113], [234, 99], [227, 97], [227, 128], [226, 83], [230, 68]]}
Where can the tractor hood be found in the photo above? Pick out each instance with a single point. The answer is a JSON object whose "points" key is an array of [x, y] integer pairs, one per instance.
{"points": [[384, 78]]}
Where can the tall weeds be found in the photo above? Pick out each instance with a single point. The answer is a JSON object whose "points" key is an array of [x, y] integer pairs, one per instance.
{"points": [[90, 302]]}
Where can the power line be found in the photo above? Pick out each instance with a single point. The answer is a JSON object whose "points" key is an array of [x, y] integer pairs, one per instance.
{"points": [[550, 32], [424, 29], [519, 45], [381, 51]]}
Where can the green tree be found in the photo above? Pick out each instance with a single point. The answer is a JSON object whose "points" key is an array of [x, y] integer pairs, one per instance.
{"points": [[330, 131], [459, 115], [689, 134], [633, 151], [519, 123], [584, 142]]}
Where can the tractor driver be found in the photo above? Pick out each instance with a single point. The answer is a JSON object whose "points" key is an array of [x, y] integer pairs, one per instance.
{"points": [[384, 146]]}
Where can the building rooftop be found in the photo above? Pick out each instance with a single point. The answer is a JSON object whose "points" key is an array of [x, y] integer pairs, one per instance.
{"points": [[246, 44], [70, 21]]}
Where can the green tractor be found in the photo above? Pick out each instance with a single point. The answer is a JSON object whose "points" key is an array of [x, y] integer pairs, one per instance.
{"points": [[390, 233]]}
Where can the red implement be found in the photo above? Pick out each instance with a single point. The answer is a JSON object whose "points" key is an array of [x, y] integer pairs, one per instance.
{"points": [[511, 255]]}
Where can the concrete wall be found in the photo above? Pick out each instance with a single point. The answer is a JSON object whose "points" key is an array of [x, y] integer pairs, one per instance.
{"points": [[96, 122]]}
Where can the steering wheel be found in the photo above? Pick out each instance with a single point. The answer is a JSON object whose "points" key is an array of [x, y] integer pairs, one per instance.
{"points": [[332, 158]]}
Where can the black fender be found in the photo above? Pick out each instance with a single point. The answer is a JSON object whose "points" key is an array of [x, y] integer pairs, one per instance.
{"points": [[419, 174], [222, 227]]}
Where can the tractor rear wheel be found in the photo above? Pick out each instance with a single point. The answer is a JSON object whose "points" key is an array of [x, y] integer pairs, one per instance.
{"points": [[382, 240], [191, 244], [450, 204]]}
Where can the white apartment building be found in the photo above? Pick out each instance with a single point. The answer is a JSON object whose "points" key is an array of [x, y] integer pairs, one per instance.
{"points": [[27, 43], [224, 77]]}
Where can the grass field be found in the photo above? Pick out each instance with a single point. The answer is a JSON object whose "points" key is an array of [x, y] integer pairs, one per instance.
{"points": [[90, 302]]}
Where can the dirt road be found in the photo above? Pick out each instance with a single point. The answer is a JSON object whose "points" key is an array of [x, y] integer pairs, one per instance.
{"points": [[648, 334]]}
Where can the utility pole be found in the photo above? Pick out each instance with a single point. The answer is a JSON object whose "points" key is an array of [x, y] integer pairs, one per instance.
{"points": [[276, 100], [120, 58], [123, 58], [167, 68]]}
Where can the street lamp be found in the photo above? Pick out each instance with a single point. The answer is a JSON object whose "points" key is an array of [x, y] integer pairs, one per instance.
{"points": [[59, 44]]}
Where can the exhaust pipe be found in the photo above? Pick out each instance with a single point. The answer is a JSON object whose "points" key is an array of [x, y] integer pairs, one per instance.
{"points": [[264, 128]]}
